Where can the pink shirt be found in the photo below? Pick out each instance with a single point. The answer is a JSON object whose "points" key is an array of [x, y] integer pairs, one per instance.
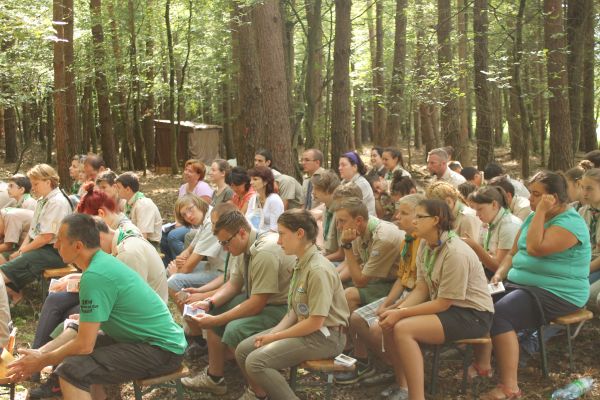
{"points": [[202, 189]]}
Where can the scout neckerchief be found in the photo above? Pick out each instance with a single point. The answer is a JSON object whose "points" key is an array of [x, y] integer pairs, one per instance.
{"points": [[295, 278], [38, 211], [364, 248], [594, 224], [327, 224], [459, 208], [491, 227], [408, 239], [430, 255], [26, 196], [129, 207], [124, 233], [226, 266]]}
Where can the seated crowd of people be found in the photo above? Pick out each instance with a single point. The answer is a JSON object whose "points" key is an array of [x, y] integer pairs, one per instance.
{"points": [[272, 272]]}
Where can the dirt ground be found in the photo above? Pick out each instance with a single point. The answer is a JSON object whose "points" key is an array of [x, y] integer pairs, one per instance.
{"points": [[163, 190]]}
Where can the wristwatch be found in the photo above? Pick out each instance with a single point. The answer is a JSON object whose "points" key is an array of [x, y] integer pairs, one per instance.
{"points": [[347, 246], [211, 304]]}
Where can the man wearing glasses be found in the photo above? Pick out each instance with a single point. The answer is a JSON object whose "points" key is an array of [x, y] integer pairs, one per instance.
{"points": [[259, 266], [312, 161]]}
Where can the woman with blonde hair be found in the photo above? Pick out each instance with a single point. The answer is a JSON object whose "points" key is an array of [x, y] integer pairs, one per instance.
{"points": [[466, 223], [37, 252]]}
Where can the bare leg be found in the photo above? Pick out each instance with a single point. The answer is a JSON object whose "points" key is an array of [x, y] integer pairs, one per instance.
{"points": [[70, 392], [353, 298], [407, 335], [343, 272], [392, 355], [359, 329], [216, 353], [97, 392], [14, 296], [506, 349]]}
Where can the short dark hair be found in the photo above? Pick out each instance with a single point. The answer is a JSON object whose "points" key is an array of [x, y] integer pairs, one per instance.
{"points": [[231, 222], [95, 161], [493, 170], [553, 182], [239, 176], [317, 155], [267, 155], [327, 182], [101, 225], [503, 182], [378, 149], [266, 175], [402, 185], [440, 209], [21, 181], [469, 173], [107, 176], [129, 180], [354, 159], [489, 194], [82, 227], [594, 157], [466, 188], [395, 153], [299, 218]]}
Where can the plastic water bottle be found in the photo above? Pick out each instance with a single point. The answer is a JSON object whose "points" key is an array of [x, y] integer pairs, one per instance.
{"points": [[574, 390]]}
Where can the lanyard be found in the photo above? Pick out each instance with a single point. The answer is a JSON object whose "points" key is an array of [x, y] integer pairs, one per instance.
{"points": [[488, 234], [431, 254], [226, 266]]}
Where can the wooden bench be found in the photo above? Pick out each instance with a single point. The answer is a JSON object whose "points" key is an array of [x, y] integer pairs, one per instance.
{"points": [[468, 343], [578, 317], [172, 380], [54, 273], [326, 367]]}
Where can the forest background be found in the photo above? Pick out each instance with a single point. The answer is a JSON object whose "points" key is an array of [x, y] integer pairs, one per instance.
{"points": [[79, 76]]}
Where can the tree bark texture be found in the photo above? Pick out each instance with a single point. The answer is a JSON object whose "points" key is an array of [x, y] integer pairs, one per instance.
{"points": [[73, 131], [463, 78], [139, 162], [588, 123], [378, 80], [575, 41], [10, 135], [314, 67], [171, 107], [60, 107]]}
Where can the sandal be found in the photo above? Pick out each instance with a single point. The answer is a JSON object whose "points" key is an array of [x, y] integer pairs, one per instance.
{"points": [[501, 392], [475, 371]]}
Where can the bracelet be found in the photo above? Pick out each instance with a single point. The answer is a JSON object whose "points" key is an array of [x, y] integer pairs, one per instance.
{"points": [[211, 304], [347, 246]]}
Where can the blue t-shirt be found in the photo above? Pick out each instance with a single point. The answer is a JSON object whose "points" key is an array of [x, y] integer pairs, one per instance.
{"points": [[127, 308], [564, 274]]}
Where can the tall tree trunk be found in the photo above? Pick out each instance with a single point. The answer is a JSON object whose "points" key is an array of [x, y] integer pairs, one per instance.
{"points": [[517, 85], [575, 41], [483, 127], [396, 92], [341, 114], [561, 156], [449, 111], [181, 80], [138, 154], [60, 109], [148, 98], [171, 107], [10, 135], [463, 79], [275, 92], [378, 81], [87, 114], [72, 125], [588, 125], [314, 68], [50, 132]]}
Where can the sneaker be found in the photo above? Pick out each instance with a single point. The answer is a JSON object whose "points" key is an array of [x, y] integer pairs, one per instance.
{"points": [[204, 383], [388, 391], [48, 389], [399, 394], [250, 395], [379, 379], [361, 371]]}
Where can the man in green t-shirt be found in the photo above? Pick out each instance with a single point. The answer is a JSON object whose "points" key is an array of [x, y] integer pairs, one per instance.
{"points": [[140, 338]]}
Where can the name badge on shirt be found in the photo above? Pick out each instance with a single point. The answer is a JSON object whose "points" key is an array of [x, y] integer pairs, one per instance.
{"points": [[302, 308]]}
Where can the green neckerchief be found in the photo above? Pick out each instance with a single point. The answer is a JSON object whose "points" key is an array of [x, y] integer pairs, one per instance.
{"points": [[75, 187], [226, 266], [129, 207], [295, 278], [594, 224], [371, 226], [408, 239], [327, 224], [460, 206], [430, 255], [123, 233], [26, 196], [491, 227]]}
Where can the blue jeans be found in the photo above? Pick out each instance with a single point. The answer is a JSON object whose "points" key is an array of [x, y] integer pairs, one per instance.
{"points": [[200, 276], [171, 244], [57, 307], [594, 276]]}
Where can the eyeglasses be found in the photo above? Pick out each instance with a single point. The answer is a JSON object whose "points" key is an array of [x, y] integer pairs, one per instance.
{"points": [[188, 210], [423, 216], [307, 160], [226, 242]]}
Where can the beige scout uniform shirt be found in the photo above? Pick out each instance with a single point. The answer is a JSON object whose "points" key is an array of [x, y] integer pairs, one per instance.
{"points": [[5, 199], [502, 232], [305, 182], [137, 253], [520, 207], [366, 190], [456, 274], [289, 189], [27, 202], [16, 223], [379, 249], [332, 241], [207, 245], [466, 222], [453, 178], [586, 213], [49, 213], [316, 289], [269, 269], [146, 216]]}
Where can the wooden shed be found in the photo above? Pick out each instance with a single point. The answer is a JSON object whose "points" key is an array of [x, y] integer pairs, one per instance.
{"points": [[196, 140]]}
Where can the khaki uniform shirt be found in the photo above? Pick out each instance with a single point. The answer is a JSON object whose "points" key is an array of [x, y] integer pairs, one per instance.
{"points": [[49, 213], [289, 189], [142, 257], [305, 182], [207, 245], [316, 289], [146, 216], [502, 232], [5, 199], [586, 213], [456, 274], [379, 249], [27, 202], [16, 224], [520, 207], [269, 269], [453, 178], [466, 222], [332, 241]]}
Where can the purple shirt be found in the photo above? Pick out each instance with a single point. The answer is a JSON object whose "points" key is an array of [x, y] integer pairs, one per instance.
{"points": [[202, 189]]}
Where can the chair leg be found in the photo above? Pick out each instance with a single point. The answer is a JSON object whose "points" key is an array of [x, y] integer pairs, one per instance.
{"points": [[137, 391], [329, 386], [569, 347], [466, 362], [293, 377], [12, 391], [543, 351], [434, 369]]}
